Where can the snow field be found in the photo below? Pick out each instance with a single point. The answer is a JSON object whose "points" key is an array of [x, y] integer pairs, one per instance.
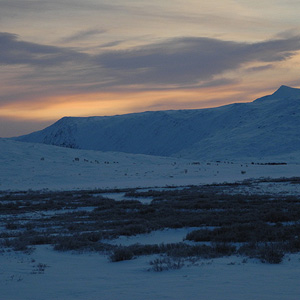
{"points": [[48, 275], [91, 276], [27, 166]]}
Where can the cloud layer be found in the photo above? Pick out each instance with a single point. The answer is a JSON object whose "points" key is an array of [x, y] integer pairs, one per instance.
{"points": [[16, 52], [190, 60], [181, 62]]}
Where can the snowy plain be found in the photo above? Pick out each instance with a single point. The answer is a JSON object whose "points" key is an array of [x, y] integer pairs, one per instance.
{"points": [[32, 166], [68, 276], [46, 274]]}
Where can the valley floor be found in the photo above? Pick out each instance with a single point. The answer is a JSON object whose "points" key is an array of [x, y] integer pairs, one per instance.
{"points": [[49, 275], [45, 274], [89, 219], [26, 166]]}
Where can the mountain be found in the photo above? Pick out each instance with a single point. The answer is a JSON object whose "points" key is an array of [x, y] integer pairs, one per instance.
{"points": [[265, 128]]}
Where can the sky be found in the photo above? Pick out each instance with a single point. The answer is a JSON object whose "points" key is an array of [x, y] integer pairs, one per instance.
{"points": [[96, 57]]}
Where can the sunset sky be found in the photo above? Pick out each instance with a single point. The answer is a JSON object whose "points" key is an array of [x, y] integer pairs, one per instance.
{"points": [[96, 57]]}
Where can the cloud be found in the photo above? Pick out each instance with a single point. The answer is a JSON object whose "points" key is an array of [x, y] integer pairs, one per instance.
{"points": [[111, 44], [175, 63], [260, 68], [16, 52], [190, 60], [289, 33], [54, 5], [82, 35]]}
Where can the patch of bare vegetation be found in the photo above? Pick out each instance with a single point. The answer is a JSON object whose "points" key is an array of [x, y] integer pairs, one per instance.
{"points": [[260, 226]]}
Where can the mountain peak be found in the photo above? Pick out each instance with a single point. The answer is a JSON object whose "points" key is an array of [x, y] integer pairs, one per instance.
{"points": [[286, 92]]}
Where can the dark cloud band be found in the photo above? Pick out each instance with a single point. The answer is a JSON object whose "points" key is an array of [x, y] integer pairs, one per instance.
{"points": [[16, 52], [180, 62], [189, 60]]}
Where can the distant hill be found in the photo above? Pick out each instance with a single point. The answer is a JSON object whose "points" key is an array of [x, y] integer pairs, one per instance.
{"points": [[265, 128]]}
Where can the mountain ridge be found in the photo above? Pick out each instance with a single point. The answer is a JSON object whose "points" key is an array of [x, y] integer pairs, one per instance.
{"points": [[268, 126]]}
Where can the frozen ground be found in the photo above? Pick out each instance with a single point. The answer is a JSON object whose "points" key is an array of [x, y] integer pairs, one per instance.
{"points": [[46, 274], [35, 166], [49, 275], [166, 236]]}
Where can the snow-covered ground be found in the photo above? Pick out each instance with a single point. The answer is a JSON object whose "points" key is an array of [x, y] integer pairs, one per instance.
{"points": [[27, 166], [166, 236], [49, 275]]}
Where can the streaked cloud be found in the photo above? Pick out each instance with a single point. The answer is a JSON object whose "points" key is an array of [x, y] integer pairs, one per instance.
{"points": [[16, 52], [111, 44], [82, 35], [260, 68], [182, 61], [47, 74], [187, 61]]}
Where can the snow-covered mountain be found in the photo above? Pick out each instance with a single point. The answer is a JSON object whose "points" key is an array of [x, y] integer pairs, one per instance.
{"points": [[265, 128]]}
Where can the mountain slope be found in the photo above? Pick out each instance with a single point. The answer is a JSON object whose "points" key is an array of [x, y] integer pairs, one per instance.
{"points": [[266, 127]]}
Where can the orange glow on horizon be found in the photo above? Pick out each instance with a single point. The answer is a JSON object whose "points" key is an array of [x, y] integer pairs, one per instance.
{"points": [[246, 86], [92, 104]]}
